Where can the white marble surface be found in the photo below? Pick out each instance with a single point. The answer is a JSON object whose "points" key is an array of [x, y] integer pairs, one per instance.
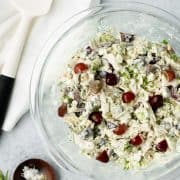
{"points": [[23, 142]]}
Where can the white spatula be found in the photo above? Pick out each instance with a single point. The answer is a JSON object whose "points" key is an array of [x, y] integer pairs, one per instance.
{"points": [[28, 9]]}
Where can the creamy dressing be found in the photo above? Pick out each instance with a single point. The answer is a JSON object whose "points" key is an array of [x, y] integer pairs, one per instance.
{"points": [[140, 68]]}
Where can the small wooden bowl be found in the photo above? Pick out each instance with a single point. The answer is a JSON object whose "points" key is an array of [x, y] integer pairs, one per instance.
{"points": [[39, 164]]}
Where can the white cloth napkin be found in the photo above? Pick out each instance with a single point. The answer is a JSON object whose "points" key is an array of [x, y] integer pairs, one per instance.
{"points": [[41, 30]]}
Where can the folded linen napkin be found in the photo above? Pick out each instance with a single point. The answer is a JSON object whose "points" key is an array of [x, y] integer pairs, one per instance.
{"points": [[41, 30]]}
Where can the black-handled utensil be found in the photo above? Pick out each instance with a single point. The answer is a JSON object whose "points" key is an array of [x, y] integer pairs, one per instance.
{"points": [[6, 87], [28, 9]]}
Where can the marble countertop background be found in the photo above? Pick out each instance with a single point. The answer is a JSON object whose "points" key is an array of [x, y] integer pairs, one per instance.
{"points": [[24, 142]]}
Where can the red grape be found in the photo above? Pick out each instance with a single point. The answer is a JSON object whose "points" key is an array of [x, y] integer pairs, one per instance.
{"points": [[128, 97], [169, 74], [96, 117], [103, 157], [136, 141], [156, 101], [120, 129], [80, 67], [62, 110], [162, 146], [111, 79]]}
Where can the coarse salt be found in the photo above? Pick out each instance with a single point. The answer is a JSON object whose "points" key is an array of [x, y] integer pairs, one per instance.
{"points": [[32, 174]]}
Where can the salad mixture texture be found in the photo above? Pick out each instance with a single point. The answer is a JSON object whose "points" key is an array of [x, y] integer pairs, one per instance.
{"points": [[120, 96]]}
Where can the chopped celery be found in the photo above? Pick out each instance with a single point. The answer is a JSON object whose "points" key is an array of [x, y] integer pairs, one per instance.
{"points": [[174, 57], [164, 41]]}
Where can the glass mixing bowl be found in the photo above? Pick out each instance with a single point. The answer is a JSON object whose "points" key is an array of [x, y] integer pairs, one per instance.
{"points": [[141, 19]]}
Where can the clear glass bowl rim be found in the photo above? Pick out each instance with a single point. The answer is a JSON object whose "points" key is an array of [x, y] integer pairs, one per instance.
{"points": [[39, 65]]}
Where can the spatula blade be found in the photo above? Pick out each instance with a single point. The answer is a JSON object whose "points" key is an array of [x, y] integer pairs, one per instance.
{"points": [[33, 7]]}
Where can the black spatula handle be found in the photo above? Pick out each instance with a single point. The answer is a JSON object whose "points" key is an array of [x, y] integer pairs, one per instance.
{"points": [[6, 87]]}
